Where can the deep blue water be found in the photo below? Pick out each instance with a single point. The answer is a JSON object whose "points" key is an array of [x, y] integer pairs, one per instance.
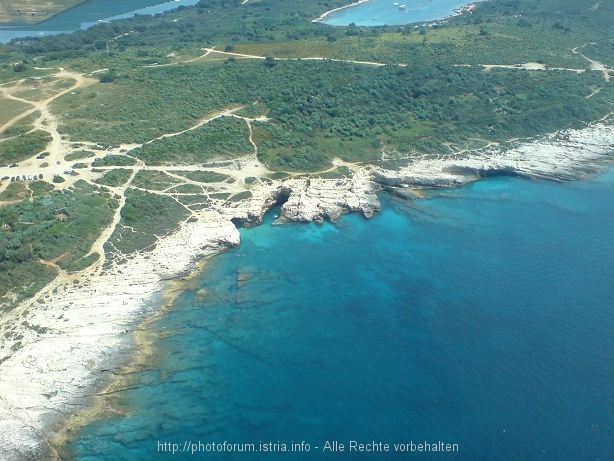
{"points": [[484, 318], [385, 12]]}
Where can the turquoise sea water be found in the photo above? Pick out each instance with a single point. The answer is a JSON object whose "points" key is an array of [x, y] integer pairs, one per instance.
{"points": [[387, 12], [484, 317]]}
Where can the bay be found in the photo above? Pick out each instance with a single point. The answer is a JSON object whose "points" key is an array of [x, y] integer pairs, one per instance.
{"points": [[482, 317], [387, 12]]}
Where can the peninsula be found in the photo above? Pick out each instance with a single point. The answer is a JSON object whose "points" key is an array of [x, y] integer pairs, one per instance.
{"points": [[28, 12]]}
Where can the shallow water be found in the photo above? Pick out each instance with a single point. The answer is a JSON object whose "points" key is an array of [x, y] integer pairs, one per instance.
{"points": [[387, 12], [89, 13], [484, 317]]}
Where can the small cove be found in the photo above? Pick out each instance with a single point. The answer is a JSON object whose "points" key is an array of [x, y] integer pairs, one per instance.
{"points": [[387, 12]]}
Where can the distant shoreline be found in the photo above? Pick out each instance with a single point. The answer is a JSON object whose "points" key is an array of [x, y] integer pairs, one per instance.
{"points": [[465, 8], [323, 16], [13, 24]]}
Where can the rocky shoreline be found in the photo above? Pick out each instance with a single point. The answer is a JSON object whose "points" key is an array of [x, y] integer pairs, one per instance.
{"points": [[57, 353]]}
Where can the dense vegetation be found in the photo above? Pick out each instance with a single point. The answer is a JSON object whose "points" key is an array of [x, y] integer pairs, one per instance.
{"points": [[144, 218], [154, 180], [322, 109], [114, 160], [220, 138], [55, 225], [114, 178]]}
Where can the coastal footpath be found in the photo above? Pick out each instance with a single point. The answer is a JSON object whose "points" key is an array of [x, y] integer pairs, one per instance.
{"points": [[73, 340]]}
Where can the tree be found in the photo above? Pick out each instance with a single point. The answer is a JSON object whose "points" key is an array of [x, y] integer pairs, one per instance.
{"points": [[107, 77]]}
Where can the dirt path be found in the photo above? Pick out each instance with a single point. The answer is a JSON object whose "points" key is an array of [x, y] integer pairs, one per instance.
{"points": [[595, 65], [46, 122], [535, 66], [523, 66], [252, 56], [224, 113], [58, 148], [178, 62], [98, 245]]}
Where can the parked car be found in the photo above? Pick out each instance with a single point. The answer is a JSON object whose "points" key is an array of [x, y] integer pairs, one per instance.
{"points": [[5, 178], [68, 172], [40, 176], [123, 151], [17, 178], [13, 165], [40, 156], [23, 177], [91, 154], [4, 165], [29, 177], [13, 179]]}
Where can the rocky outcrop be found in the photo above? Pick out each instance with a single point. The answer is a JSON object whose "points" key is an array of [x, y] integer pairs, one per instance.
{"points": [[319, 199], [68, 342], [563, 156]]}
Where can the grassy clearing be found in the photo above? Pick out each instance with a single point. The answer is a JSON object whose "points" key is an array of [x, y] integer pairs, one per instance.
{"points": [[186, 189], [154, 180], [145, 217], [23, 146], [115, 178], [77, 155], [14, 191], [225, 137], [41, 188], [202, 176], [21, 126], [11, 109], [241, 196], [192, 199]]}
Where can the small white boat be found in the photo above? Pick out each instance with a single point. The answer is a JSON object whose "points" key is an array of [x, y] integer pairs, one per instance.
{"points": [[402, 7], [396, 3]]}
